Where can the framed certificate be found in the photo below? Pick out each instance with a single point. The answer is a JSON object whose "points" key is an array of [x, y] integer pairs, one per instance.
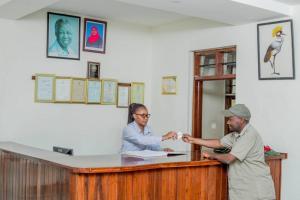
{"points": [[123, 99], [93, 91], [169, 85], [63, 89], [44, 88], [109, 92], [137, 92], [78, 91]]}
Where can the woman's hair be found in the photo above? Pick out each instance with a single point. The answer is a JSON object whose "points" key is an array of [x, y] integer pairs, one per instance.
{"points": [[132, 109]]}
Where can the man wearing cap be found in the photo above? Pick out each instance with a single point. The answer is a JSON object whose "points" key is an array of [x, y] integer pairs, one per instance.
{"points": [[249, 176]]}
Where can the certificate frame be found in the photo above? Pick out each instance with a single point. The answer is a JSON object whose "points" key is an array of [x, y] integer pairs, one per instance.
{"points": [[55, 89], [128, 86], [36, 90], [137, 89], [98, 100], [165, 88], [84, 90], [103, 94]]}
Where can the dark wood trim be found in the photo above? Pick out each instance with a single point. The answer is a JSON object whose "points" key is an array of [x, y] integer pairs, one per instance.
{"points": [[214, 78], [198, 85], [282, 156], [197, 108], [213, 50]]}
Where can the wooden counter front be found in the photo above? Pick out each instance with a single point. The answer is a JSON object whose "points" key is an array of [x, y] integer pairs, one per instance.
{"points": [[31, 173]]}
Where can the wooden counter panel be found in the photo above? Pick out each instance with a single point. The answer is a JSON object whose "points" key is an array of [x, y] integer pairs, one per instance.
{"points": [[105, 163], [207, 183], [275, 167], [26, 177], [21, 178]]}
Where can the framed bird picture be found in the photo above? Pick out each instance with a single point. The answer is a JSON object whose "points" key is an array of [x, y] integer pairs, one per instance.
{"points": [[275, 50]]}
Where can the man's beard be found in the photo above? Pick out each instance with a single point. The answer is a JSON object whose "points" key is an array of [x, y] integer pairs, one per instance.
{"points": [[235, 129]]}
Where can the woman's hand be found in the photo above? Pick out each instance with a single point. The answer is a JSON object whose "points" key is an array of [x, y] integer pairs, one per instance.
{"points": [[168, 150], [169, 135], [187, 138]]}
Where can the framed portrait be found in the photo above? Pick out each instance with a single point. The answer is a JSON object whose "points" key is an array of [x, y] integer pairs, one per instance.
{"points": [[44, 88], [137, 92], [78, 93], [63, 36], [94, 39], [63, 89], [109, 92], [93, 70], [93, 88], [123, 98], [169, 85], [275, 50]]}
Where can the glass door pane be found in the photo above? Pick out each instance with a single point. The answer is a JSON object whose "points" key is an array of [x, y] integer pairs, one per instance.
{"points": [[229, 62], [208, 65]]}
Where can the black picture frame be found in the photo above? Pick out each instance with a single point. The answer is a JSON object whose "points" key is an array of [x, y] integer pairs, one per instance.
{"points": [[63, 36], [93, 70], [97, 42], [275, 46]]}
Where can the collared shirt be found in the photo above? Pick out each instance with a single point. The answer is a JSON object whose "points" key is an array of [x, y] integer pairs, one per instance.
{"points": [[249, 176], [134, 139], [56, 50]]}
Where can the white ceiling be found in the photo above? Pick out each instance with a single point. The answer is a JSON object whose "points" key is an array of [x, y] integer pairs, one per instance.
{"points": [[226, 11], [154, 13], [15, 9], [114, 10], [290, 2]]}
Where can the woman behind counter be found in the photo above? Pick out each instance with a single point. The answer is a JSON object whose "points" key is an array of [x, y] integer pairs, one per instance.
{"points": [[138, 136]]}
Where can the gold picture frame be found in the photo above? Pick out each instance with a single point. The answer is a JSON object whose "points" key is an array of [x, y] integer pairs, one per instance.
{"points": [[93, 91], [137, 94], [109, 91], [123, 91], [78, 90], [169, 85], [44, 88], [63, 89]]}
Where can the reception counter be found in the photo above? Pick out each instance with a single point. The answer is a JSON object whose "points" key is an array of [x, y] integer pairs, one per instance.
{"points": [[32, 173]]}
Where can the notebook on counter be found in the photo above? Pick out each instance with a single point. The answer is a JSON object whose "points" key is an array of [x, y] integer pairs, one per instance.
{"points": [[151, 154], [145, 153]]}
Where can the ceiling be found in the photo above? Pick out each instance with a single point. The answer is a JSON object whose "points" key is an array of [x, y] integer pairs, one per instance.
{"points": [[115, 10], [290, 2], [154, 13], [225, 11]]}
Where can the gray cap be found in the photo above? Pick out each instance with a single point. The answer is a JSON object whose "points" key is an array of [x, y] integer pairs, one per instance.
{"points": [[239, 110]]}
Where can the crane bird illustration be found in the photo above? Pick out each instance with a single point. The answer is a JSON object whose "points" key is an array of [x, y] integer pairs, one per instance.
{"points": [[274, 48]]}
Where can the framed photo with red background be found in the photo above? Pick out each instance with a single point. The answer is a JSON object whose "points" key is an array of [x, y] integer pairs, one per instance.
{"points": [[94, 37]]}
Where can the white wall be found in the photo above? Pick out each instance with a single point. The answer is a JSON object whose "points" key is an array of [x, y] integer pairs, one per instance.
{"points": [[89, 129], [274, 104]]}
